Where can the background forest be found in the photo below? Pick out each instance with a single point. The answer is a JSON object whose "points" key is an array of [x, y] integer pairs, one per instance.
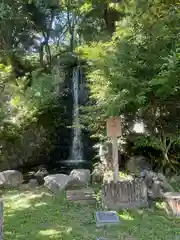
{"points": [[131, 51]]}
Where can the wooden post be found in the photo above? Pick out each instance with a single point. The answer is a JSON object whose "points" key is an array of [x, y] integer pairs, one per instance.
{"points": [[1, 219], [114, 131], [115, 159]]}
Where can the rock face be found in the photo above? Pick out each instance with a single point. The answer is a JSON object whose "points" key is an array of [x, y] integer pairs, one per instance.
{"points": [[137, 164], [81, 175], [11, 178]]}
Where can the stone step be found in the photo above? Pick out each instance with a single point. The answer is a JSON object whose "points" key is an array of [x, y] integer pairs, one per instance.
{"points": [[84, 195]]}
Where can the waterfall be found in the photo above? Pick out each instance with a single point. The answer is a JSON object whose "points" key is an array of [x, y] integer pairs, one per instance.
{"points": [[77, 146]]}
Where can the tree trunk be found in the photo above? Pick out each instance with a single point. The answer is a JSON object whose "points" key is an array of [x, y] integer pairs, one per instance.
{"points": [[166, 158]]}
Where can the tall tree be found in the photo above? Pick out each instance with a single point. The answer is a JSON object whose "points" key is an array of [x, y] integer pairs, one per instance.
{"points": [[137, 73]]}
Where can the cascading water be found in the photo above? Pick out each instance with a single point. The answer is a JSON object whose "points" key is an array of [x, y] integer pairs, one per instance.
{"points": [[69, 153], [77, 145]]}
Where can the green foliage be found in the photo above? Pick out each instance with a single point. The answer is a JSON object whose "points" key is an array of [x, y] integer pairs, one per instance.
{"points": [[137, 73], [133, 55], [22, 137]]}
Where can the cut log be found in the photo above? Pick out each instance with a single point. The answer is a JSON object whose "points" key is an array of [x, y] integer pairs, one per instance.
{"points": [[172, 201]]}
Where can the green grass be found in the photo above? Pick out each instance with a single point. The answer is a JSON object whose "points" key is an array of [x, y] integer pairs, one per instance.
{"points": [[38, 215]]}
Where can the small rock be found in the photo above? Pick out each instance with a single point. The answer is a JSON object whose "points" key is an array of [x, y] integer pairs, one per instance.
{"points": [[33, 183], [11, 178]]}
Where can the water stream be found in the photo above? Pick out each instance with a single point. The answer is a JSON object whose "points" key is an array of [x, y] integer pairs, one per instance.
{"points": [[77, 145]]}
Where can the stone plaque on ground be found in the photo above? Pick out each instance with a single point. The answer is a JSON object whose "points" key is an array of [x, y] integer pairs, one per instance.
{"points": [[107, 218], [85, 195]]}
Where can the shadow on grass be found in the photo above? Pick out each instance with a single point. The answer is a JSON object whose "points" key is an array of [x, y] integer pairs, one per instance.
{"points": [[38, 215], [152, 223]]}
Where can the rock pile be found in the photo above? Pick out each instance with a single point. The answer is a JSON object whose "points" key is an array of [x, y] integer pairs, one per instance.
{"points": [[156, 183], [58, 182]]}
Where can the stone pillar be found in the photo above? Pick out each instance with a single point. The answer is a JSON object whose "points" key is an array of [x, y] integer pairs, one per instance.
{"points": [[1, 219]]}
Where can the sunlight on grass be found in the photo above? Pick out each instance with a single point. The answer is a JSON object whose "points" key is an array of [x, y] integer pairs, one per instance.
{"points": [[40, 204], [38, 215], [22, 201], [49, 232], [160, 205], [126, 216]]}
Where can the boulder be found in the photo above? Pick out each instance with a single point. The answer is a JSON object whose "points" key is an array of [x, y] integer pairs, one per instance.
{"points": [[57, 182], [164, 183], [156, 191], [33, 183], [81, 175], [137, 164], [149, 178], [11, 178]]}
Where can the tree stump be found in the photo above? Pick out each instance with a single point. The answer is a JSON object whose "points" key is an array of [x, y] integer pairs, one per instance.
{"points": [[172, 202], [124, 194]]}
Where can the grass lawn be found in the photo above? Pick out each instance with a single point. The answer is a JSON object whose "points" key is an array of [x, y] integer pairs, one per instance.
{"points": [[38, 215]]}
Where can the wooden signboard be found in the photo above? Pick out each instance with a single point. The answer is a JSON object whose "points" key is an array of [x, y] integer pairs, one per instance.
{"points": [[114, 127], [114, 131]]}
